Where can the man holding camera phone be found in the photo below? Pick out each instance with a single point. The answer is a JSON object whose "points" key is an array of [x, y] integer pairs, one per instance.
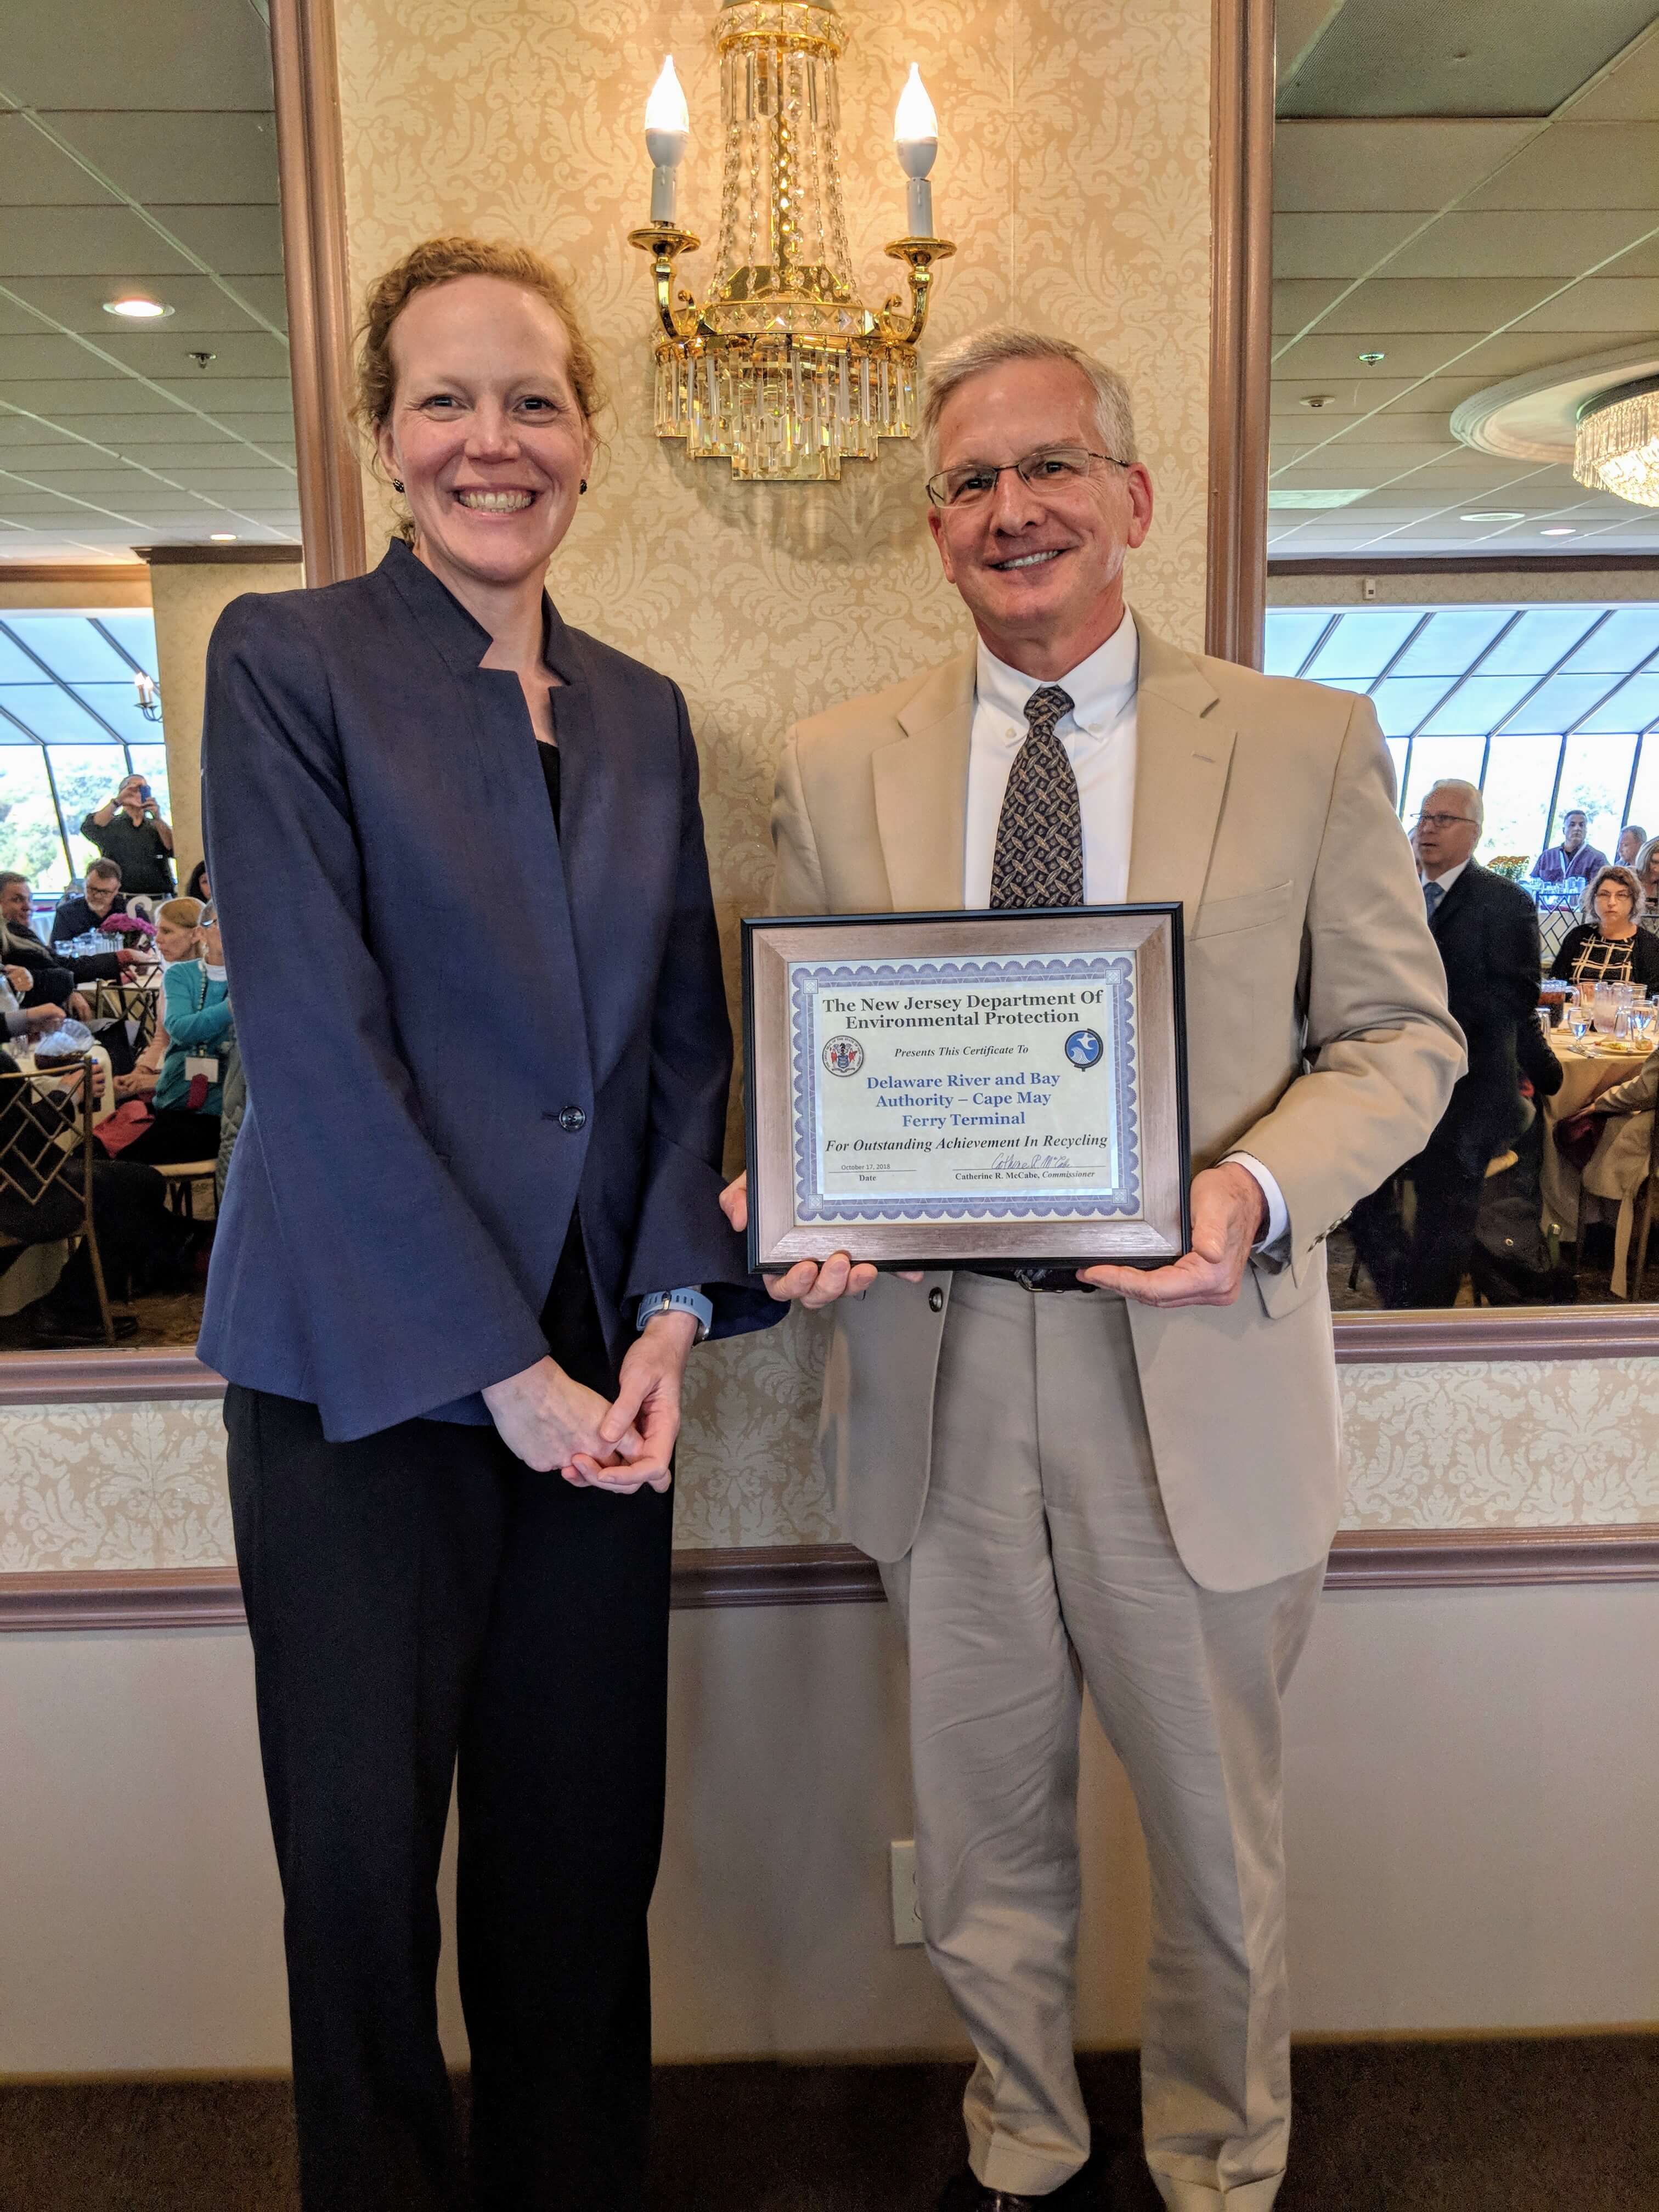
{"points": [[131, 831]]}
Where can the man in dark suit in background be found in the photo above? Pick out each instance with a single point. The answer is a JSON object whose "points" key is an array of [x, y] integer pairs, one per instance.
{"points": [[1487, 929]]}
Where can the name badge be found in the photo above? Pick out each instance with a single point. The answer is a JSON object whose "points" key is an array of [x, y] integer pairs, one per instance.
{"points": [[196, 1065]]}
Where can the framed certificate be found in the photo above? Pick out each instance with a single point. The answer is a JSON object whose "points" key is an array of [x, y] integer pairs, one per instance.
{"points": [[951, 1089]]}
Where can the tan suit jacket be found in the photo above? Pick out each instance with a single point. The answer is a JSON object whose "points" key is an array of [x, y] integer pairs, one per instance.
{"points": [[1319, 1041]]}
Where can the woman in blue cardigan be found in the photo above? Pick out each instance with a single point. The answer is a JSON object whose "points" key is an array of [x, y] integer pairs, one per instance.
{"points": [[196, 1009]]}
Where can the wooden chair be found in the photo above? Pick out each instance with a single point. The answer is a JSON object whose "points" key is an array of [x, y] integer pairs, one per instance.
{"points": [[181, 1178], [124, 1002], [45, 1122]]}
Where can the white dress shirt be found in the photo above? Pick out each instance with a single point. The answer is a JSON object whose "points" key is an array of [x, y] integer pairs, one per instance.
{"points": [[1098, 732], [1446, 881]]}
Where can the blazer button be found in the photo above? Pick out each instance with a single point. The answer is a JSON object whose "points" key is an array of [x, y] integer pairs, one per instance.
{"points": [[573, 1119], [935, 1299]]}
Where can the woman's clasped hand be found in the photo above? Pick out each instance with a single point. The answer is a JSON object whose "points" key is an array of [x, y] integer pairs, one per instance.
{"points": [[548, 1419]]}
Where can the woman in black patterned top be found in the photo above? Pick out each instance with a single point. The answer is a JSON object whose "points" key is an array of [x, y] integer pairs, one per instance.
{"points": [[1611, 949]]}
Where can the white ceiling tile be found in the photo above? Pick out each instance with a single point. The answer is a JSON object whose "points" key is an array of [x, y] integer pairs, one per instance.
{"points": [[235, 240], [1388, 165], [103, 241], [1524, 243], [166, 158]]}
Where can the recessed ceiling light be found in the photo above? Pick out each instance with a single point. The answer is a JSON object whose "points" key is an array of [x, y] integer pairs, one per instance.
{"points": [[221, 538], [1370, 359], [1561, 530], [137, 307], [1496, 515]]}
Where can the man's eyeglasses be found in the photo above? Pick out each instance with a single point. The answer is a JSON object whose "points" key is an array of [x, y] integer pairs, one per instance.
{"points": [[1440, 821], [1052, 469]]}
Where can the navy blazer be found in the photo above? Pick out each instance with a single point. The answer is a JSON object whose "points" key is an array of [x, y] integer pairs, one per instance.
{"points": [[453, 1021]]}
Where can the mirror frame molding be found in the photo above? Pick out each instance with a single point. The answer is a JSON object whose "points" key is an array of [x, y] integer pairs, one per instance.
{"points": [[311, 167]]}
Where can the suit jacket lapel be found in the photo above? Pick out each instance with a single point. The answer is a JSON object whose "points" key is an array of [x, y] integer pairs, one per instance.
{"points": [[1453, 898], [1183, 747], [921, 792]]}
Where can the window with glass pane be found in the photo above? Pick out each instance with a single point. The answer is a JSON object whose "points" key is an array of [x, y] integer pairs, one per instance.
{"points": [[1292, 634], [1595, 775], [1629, 637], [1432, 760], [1451, 641], [28, 825], [1402, 703], [1644, 799], [1397, 755], [1363, 644], [1543, 636], [1520, 772], [87, 776]]}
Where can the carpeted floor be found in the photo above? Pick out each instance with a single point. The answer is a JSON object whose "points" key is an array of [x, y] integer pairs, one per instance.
{"points": [[1557, 2126]]}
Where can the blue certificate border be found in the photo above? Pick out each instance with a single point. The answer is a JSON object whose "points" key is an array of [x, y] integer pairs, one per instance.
{"points": [[1115, 971]]}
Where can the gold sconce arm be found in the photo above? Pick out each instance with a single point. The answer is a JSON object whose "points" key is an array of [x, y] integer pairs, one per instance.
{"points": [[918, 254], [665, 242]]}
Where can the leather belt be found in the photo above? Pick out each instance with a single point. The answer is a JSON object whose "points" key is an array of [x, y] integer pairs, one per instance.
{"points": [[1036, 1278]]}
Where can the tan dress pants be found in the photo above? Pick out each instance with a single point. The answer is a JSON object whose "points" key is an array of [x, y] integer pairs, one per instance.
{"points": [[1043, 1552]]}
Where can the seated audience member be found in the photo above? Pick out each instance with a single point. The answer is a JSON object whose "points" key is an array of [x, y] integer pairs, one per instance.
{"points": [[1637, 1094], [197, 887], [233, 1085], [1486, 930], [103, 895], [30, 1022], [195, 1005], [1631, 838], [130, 830], [1646, 868], [25, 946], [140, 1244], [1574, 858], [1607, 946]]}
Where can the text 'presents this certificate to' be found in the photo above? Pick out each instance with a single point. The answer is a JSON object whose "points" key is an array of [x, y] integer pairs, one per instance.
{"points": [[1006, 1087]]}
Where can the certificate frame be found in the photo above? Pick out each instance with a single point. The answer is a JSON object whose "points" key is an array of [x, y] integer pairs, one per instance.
{"points": [[1130, 957]]}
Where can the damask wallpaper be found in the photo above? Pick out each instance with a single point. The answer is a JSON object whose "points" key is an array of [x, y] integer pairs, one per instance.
{"points": [[1477, 1445]]}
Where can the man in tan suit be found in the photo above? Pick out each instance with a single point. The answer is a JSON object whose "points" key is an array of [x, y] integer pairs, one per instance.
{"points": [[1137, 1482]]}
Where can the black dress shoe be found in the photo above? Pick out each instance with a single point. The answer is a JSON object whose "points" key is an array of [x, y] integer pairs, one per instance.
{"points": [[964, 2192]]}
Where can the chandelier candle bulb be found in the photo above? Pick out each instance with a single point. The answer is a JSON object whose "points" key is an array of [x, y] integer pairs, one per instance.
{"points": [[915, 134], [667, 127]]}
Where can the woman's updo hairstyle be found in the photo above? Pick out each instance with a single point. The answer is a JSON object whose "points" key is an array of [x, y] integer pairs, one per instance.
{"points": [[436, 261]]}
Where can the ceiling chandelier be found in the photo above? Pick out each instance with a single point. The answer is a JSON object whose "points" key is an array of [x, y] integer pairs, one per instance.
{"points": [[780, 368], [1616, 446]]}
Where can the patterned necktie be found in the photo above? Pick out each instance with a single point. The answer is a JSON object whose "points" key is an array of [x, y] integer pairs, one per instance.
{"points": [[1432, 895], [1039, 850]]}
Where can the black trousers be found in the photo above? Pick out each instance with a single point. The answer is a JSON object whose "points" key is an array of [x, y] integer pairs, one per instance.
{"points": [[417, 1598], [176, 1135], [1427, 1267]]}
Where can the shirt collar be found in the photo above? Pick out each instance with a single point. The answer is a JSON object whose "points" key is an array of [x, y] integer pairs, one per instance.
{"points": [[1449, 877], [1102, 688]]}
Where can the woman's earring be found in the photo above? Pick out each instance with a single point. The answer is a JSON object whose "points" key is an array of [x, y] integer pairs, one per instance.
{"points": [[582, 486], [396, 483]]}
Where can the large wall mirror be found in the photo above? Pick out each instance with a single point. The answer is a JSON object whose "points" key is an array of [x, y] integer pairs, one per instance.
{"points": [[1466, 206], [146, 474]]}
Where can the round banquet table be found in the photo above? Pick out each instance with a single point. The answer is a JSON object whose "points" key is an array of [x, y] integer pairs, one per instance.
{"points": [[1611, 1184]]}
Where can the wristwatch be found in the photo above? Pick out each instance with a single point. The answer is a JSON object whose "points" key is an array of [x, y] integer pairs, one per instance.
{"points": [[692, 1301]]}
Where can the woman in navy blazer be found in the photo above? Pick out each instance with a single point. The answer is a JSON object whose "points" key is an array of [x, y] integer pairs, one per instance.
{"points": [[465, 906]]}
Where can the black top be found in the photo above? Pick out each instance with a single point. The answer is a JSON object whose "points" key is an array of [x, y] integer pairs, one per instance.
{"points": [[1586, 957], [137, 850], [549, 757], [75, 917]]}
